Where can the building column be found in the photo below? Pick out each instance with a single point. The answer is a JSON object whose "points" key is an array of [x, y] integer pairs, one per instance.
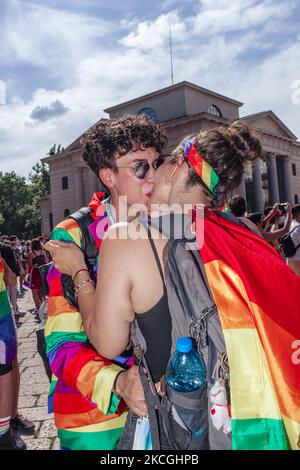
{"points": [[241, 190], [273, 178], [287, 175], [257, 186], [79, 188]]}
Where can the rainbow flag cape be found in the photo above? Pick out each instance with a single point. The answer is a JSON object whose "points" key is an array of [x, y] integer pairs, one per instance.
{"points": [[8, 342], [257, 297], [88, 416]]}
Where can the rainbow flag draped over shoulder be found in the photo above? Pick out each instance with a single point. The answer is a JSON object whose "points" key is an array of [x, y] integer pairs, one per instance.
{"points": [[8, 341], [258, 300], [88, 416]]}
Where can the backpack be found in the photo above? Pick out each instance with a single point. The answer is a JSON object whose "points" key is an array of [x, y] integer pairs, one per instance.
{"points": [[84, 218], [175, 418], [286, 245]]}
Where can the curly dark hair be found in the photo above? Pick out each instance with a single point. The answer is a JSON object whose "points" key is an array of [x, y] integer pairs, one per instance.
{"points": [[227, 150], [109, 139]]}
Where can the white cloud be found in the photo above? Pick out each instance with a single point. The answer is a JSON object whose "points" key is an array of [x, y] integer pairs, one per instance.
{"points": [[43, 36], [221, 17], [155, 34]]}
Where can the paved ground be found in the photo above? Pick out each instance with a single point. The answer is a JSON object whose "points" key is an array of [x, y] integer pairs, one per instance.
{"points": [[34, 381]]}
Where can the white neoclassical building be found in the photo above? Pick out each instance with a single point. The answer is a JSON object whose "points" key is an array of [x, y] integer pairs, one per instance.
{"points": [[185, 108]]}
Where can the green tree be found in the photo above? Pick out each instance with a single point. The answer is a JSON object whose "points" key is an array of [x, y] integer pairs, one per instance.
{"points": [[13, 196], [39, 187], [19, 201], [56, 151]]}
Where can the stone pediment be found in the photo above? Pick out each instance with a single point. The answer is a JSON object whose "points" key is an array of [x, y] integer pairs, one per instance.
{"points": [[268, 122]]}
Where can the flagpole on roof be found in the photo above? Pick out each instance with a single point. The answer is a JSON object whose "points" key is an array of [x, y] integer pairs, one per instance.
{"points": [[171, 54]]}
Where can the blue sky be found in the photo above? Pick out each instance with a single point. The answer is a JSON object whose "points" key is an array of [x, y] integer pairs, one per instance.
{"points": [[63, 61]]}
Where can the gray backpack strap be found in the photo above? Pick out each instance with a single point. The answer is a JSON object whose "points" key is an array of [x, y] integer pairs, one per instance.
{"points": [[151, 396], [153, 402], [138, 341], [190, 299]]}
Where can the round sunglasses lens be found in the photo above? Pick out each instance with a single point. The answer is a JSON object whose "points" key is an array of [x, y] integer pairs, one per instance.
{"points": [[141, 170], [158, 163]]}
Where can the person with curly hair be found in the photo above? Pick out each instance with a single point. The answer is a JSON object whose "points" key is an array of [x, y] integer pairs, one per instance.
{"points": [[88, 393]]}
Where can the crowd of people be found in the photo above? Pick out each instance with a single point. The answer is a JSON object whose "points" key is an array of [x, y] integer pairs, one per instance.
{"points": [[19, 263], [24, 258], [119, 293], [272, 225]]}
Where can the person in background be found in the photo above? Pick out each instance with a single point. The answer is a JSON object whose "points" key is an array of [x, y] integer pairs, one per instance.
{"points": [[237, 206], [15, 267], [36, 258], [23, 267], [294, 261], [258, 221], [11, 423]]}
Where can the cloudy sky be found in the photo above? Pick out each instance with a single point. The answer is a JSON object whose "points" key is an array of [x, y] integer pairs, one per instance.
{"points": [[63, 61]]}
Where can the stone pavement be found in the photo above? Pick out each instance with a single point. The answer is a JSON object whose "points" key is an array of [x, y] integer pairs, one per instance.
{"points": [[34, 381]]}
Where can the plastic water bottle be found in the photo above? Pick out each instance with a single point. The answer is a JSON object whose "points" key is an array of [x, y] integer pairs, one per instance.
{"points": [[186, 368], [43, 314]]}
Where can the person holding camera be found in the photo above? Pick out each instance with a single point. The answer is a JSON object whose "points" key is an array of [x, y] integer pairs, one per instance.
{"points": [[294, 261], [276, 233]]}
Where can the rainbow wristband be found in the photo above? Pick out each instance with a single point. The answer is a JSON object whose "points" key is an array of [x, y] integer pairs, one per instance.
{"points": [[81, 284]]}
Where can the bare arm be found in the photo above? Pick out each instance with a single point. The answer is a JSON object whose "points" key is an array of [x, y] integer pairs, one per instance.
{"points": [[10, 278], [277, 234], [68, 258], [267, 220], [29, 260], [109, 327], [106, 314]]}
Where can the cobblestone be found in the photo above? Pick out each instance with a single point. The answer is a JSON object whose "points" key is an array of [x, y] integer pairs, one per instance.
{"points": [[34, 385]]}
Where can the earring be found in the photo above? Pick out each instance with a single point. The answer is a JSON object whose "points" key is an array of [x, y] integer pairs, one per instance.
{"points": [[170, 179]]}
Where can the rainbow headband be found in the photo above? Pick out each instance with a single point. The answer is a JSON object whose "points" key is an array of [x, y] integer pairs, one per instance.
{"points": [[201, 167]]}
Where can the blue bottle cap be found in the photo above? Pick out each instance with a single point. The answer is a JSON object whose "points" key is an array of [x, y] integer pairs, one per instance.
{"points": [[184, 345]]}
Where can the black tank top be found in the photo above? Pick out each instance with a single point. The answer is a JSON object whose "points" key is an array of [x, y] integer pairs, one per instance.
{"points": [[156, 327]]}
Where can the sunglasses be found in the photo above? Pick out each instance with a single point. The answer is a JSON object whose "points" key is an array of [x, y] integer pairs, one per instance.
{"points": [[142, 168]]}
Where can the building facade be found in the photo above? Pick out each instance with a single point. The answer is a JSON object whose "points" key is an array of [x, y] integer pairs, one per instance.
{"points": [[184, 109]]}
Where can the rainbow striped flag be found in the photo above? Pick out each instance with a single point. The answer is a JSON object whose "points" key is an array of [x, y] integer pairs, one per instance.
{"points": [[87, 414], [258, 300], [8, 341]]}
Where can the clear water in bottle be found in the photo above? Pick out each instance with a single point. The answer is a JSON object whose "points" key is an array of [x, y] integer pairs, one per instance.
{"points": [[43, 313], [186, 368]]}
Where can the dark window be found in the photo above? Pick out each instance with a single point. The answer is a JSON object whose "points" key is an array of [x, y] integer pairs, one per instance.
{"points": [[66, 213], [294, 169], [150, 113], [65, 182], [296, 199], [213, 109]]}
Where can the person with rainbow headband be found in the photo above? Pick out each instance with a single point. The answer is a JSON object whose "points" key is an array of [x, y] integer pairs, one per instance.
{"points": [[254, 294], [90, 394]]}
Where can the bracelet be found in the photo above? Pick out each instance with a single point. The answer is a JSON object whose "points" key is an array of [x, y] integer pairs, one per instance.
{"points": [[81, 284], [80, 270]]}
